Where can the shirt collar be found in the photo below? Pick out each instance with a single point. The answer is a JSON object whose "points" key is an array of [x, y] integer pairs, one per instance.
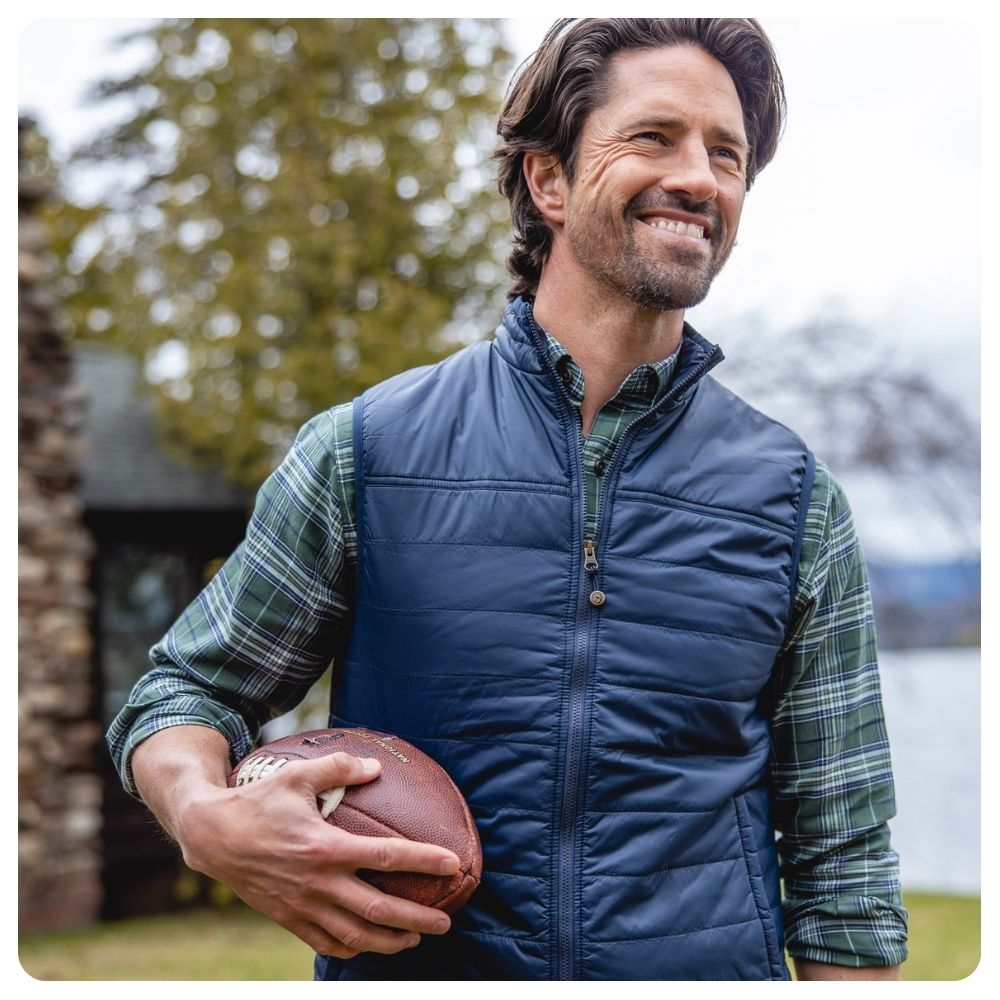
{"points": [[644, 387]]}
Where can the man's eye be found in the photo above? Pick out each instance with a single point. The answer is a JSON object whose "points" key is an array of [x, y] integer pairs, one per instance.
{"points": [[651, 136], [728, 153]]}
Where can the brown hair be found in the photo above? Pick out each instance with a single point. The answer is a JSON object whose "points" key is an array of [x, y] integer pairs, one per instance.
{"points": [[563, 82]]}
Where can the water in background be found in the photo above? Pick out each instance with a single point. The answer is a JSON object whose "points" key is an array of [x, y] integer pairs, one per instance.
{"points": [[932, 705]]}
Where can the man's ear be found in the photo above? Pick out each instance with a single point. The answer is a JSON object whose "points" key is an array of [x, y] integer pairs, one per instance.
{"points": [[547, 184]]}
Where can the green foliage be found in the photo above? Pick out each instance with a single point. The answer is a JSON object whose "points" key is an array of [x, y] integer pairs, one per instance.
{"points": [[313, 212], [34, 162]]}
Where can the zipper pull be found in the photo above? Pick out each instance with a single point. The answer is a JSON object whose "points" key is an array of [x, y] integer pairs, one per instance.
{"points": [[590, 555]]}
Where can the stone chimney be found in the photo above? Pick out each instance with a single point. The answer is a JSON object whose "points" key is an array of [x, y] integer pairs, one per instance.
{"points": [[59, 788]]}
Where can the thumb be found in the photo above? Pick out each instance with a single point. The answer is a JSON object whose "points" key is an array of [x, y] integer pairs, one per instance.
{"points": [[336, 770], [329, 783]]}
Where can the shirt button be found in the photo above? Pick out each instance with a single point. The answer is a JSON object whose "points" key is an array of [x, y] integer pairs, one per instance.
{"points": [[597, 598], [599, 467]]}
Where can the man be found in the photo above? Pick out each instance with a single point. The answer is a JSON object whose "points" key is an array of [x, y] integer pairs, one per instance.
{"points": [[624, 610]]}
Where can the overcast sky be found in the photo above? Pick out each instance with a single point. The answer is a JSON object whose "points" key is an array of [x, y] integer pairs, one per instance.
{"points": [[871, 206]]}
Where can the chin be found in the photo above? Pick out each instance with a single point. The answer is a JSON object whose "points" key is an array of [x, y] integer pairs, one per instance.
{"points": [[660, 295]]}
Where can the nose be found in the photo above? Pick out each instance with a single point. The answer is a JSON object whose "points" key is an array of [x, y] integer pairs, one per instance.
{"points": [[690, 173]]}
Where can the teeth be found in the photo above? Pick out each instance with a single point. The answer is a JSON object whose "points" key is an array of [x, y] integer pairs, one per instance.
{"points": [[681, 228]]}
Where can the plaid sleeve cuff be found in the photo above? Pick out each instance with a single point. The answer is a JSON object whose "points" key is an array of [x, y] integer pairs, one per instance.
{"points": [[137, 722], [857, 931]]}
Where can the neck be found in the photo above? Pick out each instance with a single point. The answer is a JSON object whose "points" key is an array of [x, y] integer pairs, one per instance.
{"points": [[608, 336]]}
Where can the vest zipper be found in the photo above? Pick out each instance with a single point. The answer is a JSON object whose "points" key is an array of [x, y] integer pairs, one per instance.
{"points": [[590, 598], [566, 915]]}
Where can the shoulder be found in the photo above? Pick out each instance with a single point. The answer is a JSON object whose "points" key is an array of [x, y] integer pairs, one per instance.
{"points": [[416, 383], [325, 439], [736, 410]]}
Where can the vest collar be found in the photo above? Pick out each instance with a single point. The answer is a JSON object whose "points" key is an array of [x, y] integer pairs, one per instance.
{"points": [[520, 341]]}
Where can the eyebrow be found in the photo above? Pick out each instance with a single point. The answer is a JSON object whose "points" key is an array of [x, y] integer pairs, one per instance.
{"points": [[719, 132], [732, 138]]}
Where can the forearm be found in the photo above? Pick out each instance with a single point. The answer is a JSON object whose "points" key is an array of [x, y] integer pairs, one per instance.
{"points": [[806, 971], [176, 765]]}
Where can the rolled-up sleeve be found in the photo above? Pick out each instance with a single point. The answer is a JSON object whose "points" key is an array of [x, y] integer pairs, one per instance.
{"points": [[831, 767], [267, 625]]}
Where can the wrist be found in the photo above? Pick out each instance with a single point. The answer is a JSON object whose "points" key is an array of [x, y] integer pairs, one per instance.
{"points": [[177, 771]]}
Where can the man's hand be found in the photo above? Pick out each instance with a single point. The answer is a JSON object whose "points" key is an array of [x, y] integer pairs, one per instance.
{"points": [[268, 842]]}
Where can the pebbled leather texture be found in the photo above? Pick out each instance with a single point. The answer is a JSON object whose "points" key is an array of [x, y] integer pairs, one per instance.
{"points": [[413, 798]]}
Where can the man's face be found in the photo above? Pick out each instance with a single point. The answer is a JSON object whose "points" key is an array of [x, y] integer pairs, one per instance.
{"points": [[660, 178]]}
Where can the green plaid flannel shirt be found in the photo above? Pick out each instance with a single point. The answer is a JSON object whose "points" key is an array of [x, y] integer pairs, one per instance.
{"points": [[261, 632]]}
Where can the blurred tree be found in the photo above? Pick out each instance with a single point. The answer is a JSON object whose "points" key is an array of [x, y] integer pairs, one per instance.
{"points": [[34, 160], [302, 208], [864, 410]]}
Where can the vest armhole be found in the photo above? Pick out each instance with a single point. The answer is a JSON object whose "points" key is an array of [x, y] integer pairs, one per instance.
{"points": [[358, 449], [805, 498]]}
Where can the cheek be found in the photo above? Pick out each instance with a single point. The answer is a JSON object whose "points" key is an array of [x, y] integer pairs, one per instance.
{"points": [[614, 176], [731, 207]]}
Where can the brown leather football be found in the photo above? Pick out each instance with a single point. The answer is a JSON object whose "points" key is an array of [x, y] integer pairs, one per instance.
{"points": [[413, 797]]}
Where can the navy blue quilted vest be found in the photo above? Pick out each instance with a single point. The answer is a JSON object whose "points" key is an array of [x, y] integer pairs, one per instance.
{"points": [[608, 724]]}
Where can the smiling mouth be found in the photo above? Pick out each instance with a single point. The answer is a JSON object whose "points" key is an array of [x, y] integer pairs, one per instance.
{"points": [[680, 228]]}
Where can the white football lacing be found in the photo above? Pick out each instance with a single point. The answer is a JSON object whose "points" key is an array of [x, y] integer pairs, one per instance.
{"points": [[255, 768]]}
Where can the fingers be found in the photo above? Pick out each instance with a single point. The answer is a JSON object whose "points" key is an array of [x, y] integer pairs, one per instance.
{"points": [[394, 854], [342, 936], [365, 919], [379, 908], [332, 771]]}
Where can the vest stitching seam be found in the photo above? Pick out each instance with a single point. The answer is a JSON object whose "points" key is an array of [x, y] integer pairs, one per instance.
{"points": [[535, 939], [701, 566], [486, 543], [721, 513], [678, 692], [413, 609], [663, 871], [505, 485], [411, 737], [651, 812], [498, 871], [744, 826], [674, 755], [663, 937], [650, 624], [449, 676]]}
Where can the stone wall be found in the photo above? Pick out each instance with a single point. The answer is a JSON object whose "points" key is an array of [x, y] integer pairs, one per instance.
{"points": [[59, 788]]}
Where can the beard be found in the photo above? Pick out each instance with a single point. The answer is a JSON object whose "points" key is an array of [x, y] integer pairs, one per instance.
{"points": [[665, 279]]}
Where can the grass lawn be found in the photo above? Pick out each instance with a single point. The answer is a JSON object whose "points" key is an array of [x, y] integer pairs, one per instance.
{"points": [[235, 943], [945, 936], [231, 943]]}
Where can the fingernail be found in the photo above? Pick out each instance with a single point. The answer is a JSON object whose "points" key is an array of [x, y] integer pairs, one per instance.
{"points": [[370, 765], [448, 866]]}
